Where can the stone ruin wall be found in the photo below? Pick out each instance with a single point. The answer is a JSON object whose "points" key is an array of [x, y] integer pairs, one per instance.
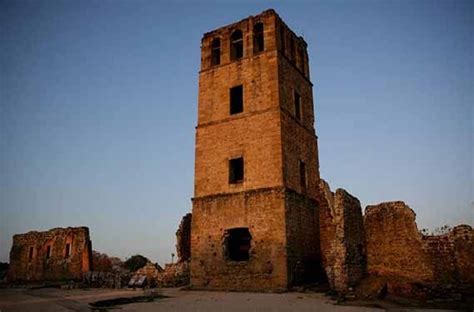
{"points": [[30, 261], [263, 213], [452, 255], [183, 238], [342, 238], [395, 247], [394, 244], [177, 274], [383, 242]]}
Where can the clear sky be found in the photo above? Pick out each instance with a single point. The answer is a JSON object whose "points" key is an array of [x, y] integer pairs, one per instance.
{"points": [[98, 107]]}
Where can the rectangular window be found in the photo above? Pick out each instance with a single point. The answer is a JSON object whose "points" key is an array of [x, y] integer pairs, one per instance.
{"points": [[215, 52], [292, 50], [258, 38], [237, 45], [236, 100], [48, 251], [297, 101], [30, 254], [236, 170], [282, 40], [303, 176], [68, 250], [300, 58]]}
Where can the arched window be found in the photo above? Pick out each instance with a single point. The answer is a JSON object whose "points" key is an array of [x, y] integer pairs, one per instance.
{"points": [[215, 52], [236, 45], [258, 41]]}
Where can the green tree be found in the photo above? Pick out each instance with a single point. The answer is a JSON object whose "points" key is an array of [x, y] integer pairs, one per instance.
{"points": [[135, 262]]}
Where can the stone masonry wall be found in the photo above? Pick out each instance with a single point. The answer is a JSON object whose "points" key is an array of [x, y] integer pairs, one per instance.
{"points": [[342, 238], [253, 134], [299, 141], [263, 213], [394, 244], [302, 231], [404, 258], [452, 255], [183, 239], [256, 138], [30, 261]]}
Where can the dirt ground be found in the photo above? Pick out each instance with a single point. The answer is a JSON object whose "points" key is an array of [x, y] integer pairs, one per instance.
{"points": [[56, 300]]}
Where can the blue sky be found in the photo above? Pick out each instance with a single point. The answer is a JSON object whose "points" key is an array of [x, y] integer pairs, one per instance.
{"points": [[98, 107]]}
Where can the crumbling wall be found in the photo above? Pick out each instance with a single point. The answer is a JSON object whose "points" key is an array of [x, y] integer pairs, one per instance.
{"points": [[402, 259], [342, 237], [152, 272], [394, 244], [174, 275], [451, 255], [183, 238], [57, 254]]}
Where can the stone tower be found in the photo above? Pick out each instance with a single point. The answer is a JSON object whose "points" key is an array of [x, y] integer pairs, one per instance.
{"points": [[255, 216]]}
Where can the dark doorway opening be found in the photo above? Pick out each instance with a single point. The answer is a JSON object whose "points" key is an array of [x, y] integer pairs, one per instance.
{"points": [[237, 244]]}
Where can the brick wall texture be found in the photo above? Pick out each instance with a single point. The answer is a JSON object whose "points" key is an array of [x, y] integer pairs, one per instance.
{"points": [[30, 261]]}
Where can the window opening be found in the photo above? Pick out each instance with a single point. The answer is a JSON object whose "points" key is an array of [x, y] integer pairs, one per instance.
{"points": [[258, 38], [237, 244], [30, 254], [301, 58], [68, 250], [303, 176], [237, 45], [236, 170], [215, 52], [292, 50], [282, 40], [297, 101], [236, 100]]}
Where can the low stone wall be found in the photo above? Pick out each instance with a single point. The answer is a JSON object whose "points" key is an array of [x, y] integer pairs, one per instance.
{"points": [[174, 275], [342, 238], [100, 279], [152, 272]]}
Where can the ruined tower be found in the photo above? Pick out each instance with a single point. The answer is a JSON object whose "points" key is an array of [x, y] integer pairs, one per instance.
{"points": [[255, 216]]}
